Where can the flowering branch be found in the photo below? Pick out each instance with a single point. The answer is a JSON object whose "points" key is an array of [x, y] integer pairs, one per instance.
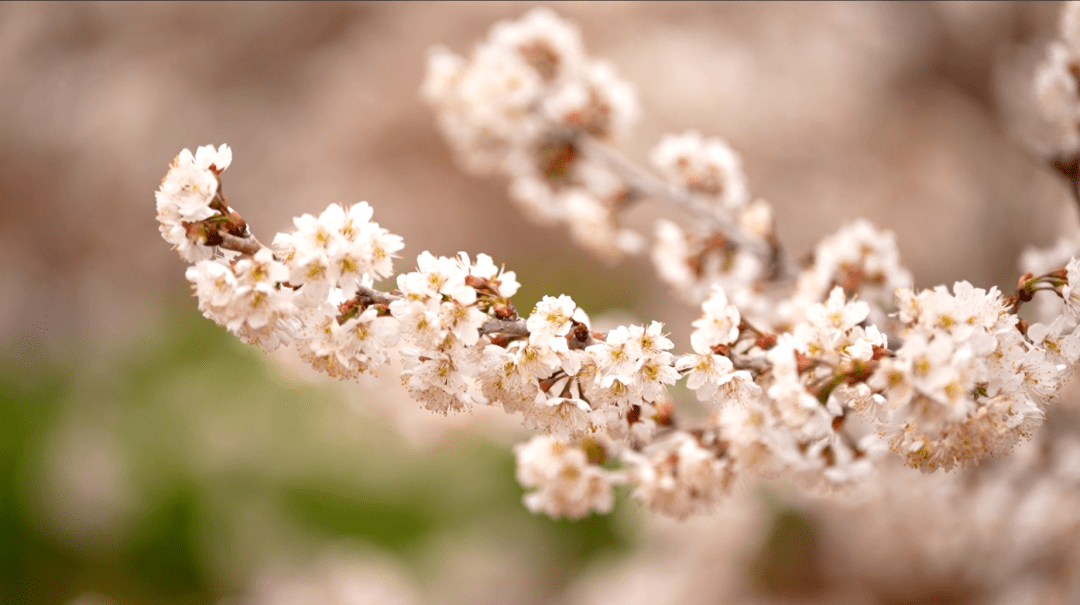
{"points": [[781, 356]]}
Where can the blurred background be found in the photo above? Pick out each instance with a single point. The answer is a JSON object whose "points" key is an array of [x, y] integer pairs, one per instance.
{"points": [[148, 457]]}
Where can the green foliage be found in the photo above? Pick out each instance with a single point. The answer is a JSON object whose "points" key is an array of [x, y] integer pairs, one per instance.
{"points": [[788, 561], [208, 435]]}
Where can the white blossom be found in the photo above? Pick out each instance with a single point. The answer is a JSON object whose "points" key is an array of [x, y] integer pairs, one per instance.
{"points": [[564, 483], [1040, 261], [550, 322], [346, 348], [694, 263], [719, 324], [513, 107], [338, 249], [859, 258], [679, 477], [704, 165], [190, 185], [1071, 290], [1060, 340], [593, 227], [597, 101], [185, 196], [512, 376], [965, 384], [438, 380], [246, 297], [632, 365], [563, 417], [548, 44], [713, 378], [485, 268], [757, 218]]}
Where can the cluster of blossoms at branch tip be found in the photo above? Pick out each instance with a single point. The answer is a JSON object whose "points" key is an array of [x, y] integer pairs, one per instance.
{"points": [[808, 373], [188, 204]]}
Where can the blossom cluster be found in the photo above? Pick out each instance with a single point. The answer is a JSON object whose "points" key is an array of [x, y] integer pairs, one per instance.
{"points": [[693, 259], [189, 207], [966, 381], [521, 104], [440, 312], [808, 373], [245, 296], [292, 293]]}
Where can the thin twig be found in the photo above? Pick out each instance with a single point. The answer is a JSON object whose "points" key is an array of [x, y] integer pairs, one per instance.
{"points": [[649, 184]]}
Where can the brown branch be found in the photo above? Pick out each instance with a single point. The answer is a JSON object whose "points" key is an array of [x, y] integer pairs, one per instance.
{"points": [[246, 245], [502, 326]]}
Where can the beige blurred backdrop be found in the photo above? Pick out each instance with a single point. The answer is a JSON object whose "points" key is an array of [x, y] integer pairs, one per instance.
{"points": [[917, 116], [903, 113]]}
